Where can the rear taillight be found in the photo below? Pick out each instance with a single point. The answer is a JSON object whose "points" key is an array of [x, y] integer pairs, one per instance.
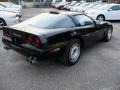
{"points": [[31, 39], [37, 40]]}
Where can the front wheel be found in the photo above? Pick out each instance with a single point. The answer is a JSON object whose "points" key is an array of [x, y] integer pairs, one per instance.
{"points": [[72, 53]]}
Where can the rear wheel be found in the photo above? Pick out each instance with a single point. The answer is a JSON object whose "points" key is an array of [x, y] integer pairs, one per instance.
{"points": [[72, 53], [2, 24], [101, 17], [108, 35]]}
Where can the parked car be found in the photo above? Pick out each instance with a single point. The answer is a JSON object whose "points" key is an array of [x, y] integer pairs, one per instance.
{"points": [[79, 6], [11, 5], [74, 5], [8, 6], [89, 6], [71, 4], [55, 2], [60, 5], [98, 5], [105, 12], [66, 4], [64, 35], [7, 19]]}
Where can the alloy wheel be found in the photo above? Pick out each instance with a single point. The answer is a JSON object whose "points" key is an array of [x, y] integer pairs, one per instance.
{"points": [[74, 52]]}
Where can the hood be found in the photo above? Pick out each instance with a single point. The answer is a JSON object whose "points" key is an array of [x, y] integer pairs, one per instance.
{"points": [[17, 6], [12, 9], [4, 13]]}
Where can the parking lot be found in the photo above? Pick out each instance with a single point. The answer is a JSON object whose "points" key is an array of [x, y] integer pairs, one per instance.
{"points": [[97, 69]]}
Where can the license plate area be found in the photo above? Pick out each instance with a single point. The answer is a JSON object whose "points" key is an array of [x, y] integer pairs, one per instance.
{"points": [[17, 41]]}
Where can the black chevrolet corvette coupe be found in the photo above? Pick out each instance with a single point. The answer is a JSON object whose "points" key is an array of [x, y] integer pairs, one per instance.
{"points": [[55, 33]]}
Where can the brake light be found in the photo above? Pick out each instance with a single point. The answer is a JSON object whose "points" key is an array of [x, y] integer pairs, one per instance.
{"points": [[33, 40], [29, 39], [7, 32], [37, 40]]}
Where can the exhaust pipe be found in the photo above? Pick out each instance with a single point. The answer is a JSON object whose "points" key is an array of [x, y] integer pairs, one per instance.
{"points": [[7, 48], [32, 59]]}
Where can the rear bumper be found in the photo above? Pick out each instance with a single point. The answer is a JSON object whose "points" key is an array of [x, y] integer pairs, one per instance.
{"points": [[26, 49]]}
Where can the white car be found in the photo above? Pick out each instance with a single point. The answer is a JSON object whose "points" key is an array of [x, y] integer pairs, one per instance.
{"points": [[61, 4], [55, 2], [74, 5], [79, 6], [8, 6], [105, 12], [89, 6], [8, 18], [71, 4]]}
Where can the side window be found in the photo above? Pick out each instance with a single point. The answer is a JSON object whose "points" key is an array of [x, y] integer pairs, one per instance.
{"points": [[114, 8], [84, 20], [65, 22]]}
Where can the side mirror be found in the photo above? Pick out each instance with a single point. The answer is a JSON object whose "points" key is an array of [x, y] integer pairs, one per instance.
{"points": [[109, 9]]}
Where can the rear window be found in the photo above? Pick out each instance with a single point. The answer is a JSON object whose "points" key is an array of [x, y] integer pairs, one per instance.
{"points": [[51, 21]]}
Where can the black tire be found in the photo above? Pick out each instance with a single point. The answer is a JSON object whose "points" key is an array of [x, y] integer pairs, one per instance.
{"points": [[67, 58], [101, 18], [2, 23], [108, 35]]}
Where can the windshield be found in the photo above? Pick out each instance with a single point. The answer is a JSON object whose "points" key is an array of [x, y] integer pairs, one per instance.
{"points": [[50, 21], [7, 4], [2, 6], [104, 7], [77, 4], [67, 3], [96, 6], [91, 5], [84, 5], [73, 4]]}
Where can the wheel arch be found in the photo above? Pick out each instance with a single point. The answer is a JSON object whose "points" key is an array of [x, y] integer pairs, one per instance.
{"points": [[3, 20], [100, 15], [80, 39]]}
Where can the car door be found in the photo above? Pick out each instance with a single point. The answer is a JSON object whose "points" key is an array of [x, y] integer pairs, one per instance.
{"points": [[87, 28], [113, 13]]}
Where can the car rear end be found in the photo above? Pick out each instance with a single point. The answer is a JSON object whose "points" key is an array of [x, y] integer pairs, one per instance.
{"points": [[28, 44]]}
